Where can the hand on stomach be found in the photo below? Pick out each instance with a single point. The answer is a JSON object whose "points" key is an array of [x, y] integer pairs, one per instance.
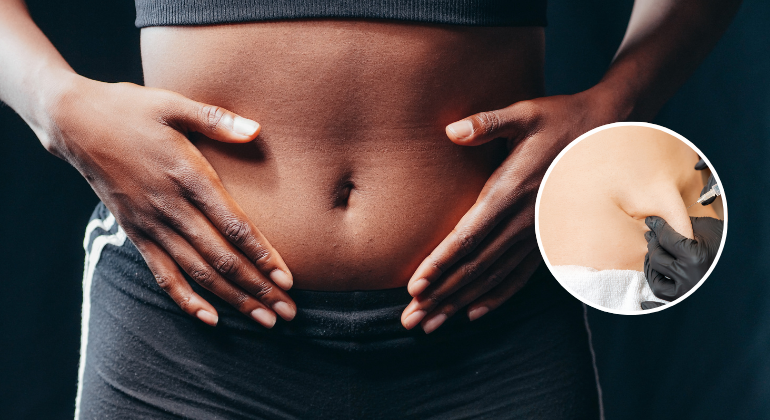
{"points": [[352, 178]]}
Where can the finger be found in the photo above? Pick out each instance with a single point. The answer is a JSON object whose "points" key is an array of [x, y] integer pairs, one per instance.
{"points": [[231, 222], [489, 279], [470, 231], [708, 233], [202, 273], [494, 205], [227, 261], [649, 235], [507, 288], [171, 280], [660, 286], [471, 266], [669, 239], [212, 121], [467, 270], [508, 123], [660, 260], [648, 304], [701, 165]]}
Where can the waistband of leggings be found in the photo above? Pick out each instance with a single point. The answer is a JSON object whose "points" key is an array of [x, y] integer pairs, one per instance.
{"points": [[349, 316]]}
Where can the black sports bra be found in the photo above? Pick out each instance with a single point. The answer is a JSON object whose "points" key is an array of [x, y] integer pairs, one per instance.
{"points": [[458, 12]]}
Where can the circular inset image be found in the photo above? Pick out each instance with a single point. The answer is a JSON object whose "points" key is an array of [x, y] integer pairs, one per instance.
{"points": [[631, 218]]}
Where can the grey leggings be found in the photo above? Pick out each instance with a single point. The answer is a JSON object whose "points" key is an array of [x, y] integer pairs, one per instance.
{"points": [[344, 356]]}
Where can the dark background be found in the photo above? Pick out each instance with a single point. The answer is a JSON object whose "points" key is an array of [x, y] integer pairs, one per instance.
{"points": [[706, 358]]}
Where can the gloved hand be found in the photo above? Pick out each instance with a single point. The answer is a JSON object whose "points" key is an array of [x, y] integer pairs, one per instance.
{"points": [[649, 304], [675, 264], [701, 165]]}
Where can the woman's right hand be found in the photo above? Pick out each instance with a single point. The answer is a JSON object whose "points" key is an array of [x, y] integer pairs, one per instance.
{"points": [[130, 143]]}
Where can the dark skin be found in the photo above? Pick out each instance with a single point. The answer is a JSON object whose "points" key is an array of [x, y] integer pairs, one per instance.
{"points": [[664, 43], [174, 207]]}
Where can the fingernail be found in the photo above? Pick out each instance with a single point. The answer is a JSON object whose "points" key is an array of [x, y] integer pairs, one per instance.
{"points": [[264, 317], [477, 313], [413, 319], [285, 310], [418, 286], [245, 126], [282, 279], [207, 317], [433, 323], [460, 129]]}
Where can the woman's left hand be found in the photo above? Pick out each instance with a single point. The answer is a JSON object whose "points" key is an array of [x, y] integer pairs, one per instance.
{"points": [[492, 251]]}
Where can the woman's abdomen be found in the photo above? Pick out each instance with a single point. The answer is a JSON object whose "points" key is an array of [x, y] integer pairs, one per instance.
{"points": [[352, 178]]}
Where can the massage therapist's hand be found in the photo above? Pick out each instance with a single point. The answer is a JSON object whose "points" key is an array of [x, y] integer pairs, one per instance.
{"points": [[674, 264], [130, 143], [492, 251]]}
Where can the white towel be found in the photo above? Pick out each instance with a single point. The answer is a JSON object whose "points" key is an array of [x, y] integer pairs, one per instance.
{"points": [[621, 290]]}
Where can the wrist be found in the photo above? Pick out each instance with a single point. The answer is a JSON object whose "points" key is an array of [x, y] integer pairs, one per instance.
{"points": [[614, 102], [53, 97]]}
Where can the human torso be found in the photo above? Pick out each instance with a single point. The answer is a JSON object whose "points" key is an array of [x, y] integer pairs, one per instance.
{"points": [[596, 198], [352, 178]]}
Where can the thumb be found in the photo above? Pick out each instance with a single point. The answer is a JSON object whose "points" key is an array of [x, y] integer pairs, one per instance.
{"points": [[486, 126], [214, 122], [669, 239], [708, 232]]}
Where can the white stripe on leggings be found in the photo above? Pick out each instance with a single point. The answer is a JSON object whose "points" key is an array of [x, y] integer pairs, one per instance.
{"points": [[593, 361], [117, 239]]}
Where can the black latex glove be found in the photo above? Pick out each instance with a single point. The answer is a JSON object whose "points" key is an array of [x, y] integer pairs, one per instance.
{"points": [[649, 304], [675, 264], [701, 165]]}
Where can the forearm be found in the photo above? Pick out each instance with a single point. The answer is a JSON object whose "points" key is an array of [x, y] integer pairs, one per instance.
{"points": [[665, 42], [33, 74]]}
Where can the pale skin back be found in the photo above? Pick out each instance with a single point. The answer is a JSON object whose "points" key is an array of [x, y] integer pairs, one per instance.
{"points": [[596, 198]]}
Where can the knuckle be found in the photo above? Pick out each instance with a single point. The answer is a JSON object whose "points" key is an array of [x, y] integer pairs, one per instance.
{"points": [[202, 275], [237, 231], [184, 303], [438, 264], [434, 299], [160, 205], [449, 308], [528, 112], [164, 282], [211, 116], [185, 176], [467, 241], [488, 122], [239, 300], [262, 255], [226, 264], [262, 288], [472, 270], [493, 279]]}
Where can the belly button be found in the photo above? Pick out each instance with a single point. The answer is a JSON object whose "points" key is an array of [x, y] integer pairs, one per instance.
{"points": [[342, 194]]}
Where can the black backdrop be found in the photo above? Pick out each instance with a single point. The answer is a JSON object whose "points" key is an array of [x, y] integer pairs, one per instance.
{"points": [[706, 358]]}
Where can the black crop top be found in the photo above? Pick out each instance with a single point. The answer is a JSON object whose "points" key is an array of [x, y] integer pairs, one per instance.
{"points": [[458, 12]]}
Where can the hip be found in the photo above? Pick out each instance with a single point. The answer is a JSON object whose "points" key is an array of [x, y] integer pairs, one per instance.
{"points": [[344, 355]]}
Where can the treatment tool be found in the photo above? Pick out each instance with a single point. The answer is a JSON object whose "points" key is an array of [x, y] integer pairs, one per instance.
{"points": [[713, 192]]}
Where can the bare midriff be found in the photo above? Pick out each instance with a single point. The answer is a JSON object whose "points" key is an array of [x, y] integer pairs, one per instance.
{"points": [[352, 178]]}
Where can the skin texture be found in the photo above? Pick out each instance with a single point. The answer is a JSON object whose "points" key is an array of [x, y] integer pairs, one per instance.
{"points": [[598, 195], [130, 143], [353, 186]]}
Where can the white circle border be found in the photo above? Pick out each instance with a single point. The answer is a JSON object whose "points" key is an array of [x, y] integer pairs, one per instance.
{"points": [[578, 140]]}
